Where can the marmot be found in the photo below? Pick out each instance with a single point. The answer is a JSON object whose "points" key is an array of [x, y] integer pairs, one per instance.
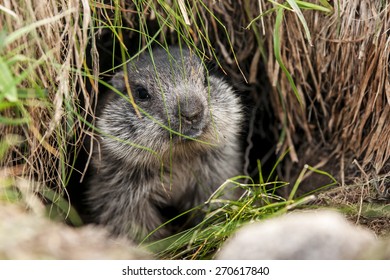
{"points": [[166, 152]]}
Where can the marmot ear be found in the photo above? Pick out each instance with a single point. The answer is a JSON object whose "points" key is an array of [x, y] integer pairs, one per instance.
{"points": [[118, 81]]}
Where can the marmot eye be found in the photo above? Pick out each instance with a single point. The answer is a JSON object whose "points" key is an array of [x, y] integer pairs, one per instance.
{"points": [[142, 93]]}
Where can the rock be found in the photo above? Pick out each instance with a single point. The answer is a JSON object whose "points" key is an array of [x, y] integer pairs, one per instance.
{"points": [[27, 236], [301, 236]]}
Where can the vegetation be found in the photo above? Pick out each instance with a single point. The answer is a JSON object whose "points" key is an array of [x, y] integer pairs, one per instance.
{"points": [[318, 69]]}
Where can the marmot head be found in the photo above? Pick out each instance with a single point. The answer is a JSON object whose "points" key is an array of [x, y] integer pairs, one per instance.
{"points": [[173, 112]]}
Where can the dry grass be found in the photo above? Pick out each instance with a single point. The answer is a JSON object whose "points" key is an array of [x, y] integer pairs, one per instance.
{"points": [[362, 202], [44, 50], [343, 81]]}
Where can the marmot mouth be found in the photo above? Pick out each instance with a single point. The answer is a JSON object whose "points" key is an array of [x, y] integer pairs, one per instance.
{"points": [[193, 131]]}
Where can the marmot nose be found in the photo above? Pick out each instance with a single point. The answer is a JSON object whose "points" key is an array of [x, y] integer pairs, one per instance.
{"points": [[191, 111], [191, 116]]}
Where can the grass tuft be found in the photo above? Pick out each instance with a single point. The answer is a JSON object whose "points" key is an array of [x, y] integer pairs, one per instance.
{"points": [[259, 201]]}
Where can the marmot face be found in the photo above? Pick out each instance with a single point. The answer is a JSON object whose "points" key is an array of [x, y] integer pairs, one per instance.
{"points": [[172, 90], [173, 95]]}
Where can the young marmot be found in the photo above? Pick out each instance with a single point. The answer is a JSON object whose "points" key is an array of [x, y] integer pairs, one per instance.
{"points": [[166, 152]]}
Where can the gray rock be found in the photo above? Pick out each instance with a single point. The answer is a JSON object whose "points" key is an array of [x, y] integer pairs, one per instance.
{"points": [[301, 236], [27, 236]]}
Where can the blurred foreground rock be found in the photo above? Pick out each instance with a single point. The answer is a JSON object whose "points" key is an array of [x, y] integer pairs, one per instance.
{"points": [[25, 236], [303, 236]]}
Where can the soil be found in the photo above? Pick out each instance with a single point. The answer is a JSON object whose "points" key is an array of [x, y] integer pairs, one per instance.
{"points": [[362, 205]]}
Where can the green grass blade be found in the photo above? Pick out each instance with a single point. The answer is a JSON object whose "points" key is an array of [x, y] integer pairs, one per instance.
{"points": [[63, 205], [297, 10], [277, 51], [311, 6], [7, 88]]}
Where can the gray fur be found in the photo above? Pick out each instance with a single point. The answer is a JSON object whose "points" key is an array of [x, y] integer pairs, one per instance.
{"points": [[143, 162]]}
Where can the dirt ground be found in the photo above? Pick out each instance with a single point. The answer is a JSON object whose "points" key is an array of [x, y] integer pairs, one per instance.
{"points": [[363, 204], [361, 194]]}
